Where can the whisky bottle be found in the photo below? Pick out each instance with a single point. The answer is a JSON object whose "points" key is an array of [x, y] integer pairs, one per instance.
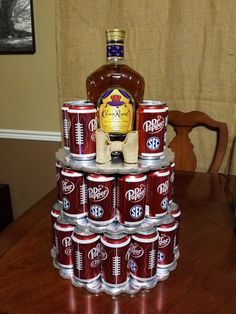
{"points": [[116, 89]]}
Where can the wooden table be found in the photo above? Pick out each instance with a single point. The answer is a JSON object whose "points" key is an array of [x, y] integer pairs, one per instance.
{"points": [[203, 282]]}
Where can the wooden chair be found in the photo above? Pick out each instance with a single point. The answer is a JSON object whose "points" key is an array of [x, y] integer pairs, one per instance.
{"points": [[183, 123]]}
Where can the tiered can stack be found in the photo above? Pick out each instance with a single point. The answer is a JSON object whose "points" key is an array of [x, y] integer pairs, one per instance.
{"points": [[116, 232]]}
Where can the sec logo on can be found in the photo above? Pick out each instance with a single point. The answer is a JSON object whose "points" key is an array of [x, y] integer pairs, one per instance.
{"points": [[160, 256], [96, 211], [136, 211], [66, 203], [153, 143]]}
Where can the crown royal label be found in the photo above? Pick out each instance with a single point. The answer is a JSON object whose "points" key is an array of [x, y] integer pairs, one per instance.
{"points": [[116, 111]]}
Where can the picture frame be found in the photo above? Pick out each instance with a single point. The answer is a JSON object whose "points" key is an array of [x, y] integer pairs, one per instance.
{"points": [[17, 27]]}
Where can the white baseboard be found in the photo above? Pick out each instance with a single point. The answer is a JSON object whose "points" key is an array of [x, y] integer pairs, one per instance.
{"points": [[30, 135]]}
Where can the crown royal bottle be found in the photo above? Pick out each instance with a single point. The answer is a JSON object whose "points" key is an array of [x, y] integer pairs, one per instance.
{"points": [[116, 89]]}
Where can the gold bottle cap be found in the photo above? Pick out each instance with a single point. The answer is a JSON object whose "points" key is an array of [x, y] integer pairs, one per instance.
{"points": [[115, 34]]}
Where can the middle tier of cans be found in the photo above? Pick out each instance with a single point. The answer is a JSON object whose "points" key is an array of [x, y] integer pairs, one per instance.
{"points": [[129, 200]]}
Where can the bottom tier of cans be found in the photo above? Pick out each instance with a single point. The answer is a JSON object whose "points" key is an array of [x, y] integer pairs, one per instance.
{"points": [[127, 260]]}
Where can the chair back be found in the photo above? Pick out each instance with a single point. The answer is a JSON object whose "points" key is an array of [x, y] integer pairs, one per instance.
{"points": [[183, 123]]}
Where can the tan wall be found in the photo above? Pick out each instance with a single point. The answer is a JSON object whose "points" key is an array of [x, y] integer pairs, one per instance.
{"points": [[29, 101], [28, 83], [29, 169]]}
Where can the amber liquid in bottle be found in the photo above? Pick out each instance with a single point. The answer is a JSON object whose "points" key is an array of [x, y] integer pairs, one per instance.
{"points": [[116, 89]]}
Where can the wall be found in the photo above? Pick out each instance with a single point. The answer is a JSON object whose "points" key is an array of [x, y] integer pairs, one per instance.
{"points": [[29, 101], [28, 167], [29, 82]]}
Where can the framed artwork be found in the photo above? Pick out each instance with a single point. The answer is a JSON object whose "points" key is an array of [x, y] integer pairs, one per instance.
{"points": [[16, 27]]}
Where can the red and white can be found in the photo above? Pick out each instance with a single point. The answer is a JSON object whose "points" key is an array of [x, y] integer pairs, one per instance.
{"points": [[171, 168], [166, 125], [59, 182], [152, 117], [175, 212], [55, 213], [86, 256], [131, 198], [83, 120], [66, 124], [63, 232], [101, 191], [143, 255], [166, 243], [157, 193], [115, 256], [74, 194]]}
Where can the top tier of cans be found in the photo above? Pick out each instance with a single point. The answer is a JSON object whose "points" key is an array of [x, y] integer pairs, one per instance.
{"points": [[80, 124]]}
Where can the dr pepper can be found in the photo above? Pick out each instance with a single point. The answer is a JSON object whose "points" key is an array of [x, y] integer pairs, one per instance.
{"points": [[115, 256], [66, 124], [63, 232], [83, 124], [74, 197], [143, 255], [101, 198], [131, 198], [166, 242], [86, 256], [157, 193], [152, 118]]}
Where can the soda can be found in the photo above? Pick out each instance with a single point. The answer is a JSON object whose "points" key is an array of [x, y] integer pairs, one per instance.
{"points": [[64, 261], [55, 213], [131, 198], [143, 255], [171, 168], [74, 194], [59, 182], [86, 256], [115, 256], [175, 212], [66, 124], [101, 192], [166, 245], [166, 125], [152, 118], [83, 120], [157, 193]]}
